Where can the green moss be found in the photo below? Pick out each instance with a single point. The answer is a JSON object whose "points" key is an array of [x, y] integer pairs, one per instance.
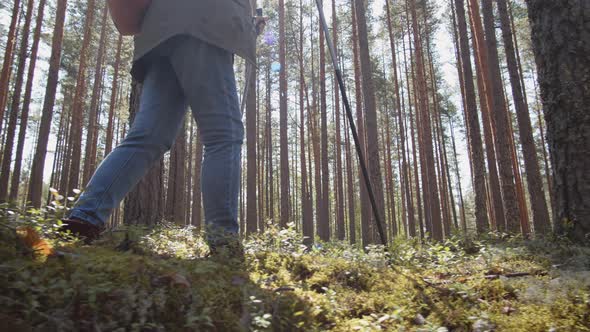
{"points": [[164, 283]]}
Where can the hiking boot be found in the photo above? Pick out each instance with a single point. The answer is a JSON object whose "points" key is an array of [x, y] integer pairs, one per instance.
{"points": [[84, 230]]}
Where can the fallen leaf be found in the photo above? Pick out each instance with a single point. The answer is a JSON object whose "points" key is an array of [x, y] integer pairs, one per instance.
{"points": [[33, 241]]}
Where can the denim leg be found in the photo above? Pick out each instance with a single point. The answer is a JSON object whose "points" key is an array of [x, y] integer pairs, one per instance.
{"points": [[156, 125], [206, 76]]}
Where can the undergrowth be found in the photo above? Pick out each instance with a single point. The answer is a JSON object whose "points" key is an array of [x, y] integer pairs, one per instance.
{"points": [[161, 280]]}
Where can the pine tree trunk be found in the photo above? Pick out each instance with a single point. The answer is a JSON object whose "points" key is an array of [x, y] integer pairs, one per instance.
{"points": [[372, 155], [251, 207], [143, 205], [340, 226], [456, 160], [189, 174], [535, 184], [497, 217], [114, 92], [59, 147], [15, 105], [90, 151], [8, 58], [197, 214], [411, 223], [350, 188], [324, 214], [175, 198], [414, 145], [500, 114], [79, 101], [364, 196], [284, 148], [269, 188], [307, 222], [433, 206], [560, 32], [474, 133], [261, 148], [24, 119]]}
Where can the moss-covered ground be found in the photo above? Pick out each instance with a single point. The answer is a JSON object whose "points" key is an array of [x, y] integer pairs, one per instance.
{"points": [[161, 280]]}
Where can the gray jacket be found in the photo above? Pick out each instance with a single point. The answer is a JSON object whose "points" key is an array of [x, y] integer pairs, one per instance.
{"points": [[224, 23]]}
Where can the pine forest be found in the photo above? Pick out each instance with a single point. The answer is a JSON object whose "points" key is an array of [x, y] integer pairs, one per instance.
{"points": [[433, 176]]}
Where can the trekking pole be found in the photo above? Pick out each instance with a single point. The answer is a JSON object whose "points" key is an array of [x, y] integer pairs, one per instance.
{"points": [[359, 150]]}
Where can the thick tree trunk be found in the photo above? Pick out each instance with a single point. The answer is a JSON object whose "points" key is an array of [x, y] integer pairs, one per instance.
{"points": [[24, 119], [560, 31], [531, 163], [15, 105]]}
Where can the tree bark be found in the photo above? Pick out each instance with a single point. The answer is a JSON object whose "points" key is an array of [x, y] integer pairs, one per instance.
{"points": [[24, 119], [90, 151], [541, 220], [372, 155], [412, 232], [429, 181], [324, 228], [500, 114], [284, 148], [560, 31], [360, 122], [340, 226], [8, 58], [474, 132], [484, 83], [411, 223], [78, 105], [307, 222], [175, 197], [197, 214], [143, 205], [16, 100]]}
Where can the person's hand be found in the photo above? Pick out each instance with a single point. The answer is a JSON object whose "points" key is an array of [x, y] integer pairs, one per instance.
{"points": [[260, 24]]}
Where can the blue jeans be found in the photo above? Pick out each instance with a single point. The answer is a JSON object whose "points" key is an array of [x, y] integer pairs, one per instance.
{"points": [[182, 72]]}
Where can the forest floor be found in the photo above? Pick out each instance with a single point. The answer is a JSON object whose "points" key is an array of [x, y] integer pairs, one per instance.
{"points": [[161, 280]]}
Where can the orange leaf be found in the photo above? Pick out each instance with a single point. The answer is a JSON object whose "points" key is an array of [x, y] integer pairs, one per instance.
{"points": [[32, 240]]}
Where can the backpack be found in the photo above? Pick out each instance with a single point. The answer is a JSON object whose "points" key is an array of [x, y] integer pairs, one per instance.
{"points": [[128, 15]]}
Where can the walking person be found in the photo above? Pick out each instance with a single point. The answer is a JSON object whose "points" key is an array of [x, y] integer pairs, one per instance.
{"points": [[184, 58]]}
